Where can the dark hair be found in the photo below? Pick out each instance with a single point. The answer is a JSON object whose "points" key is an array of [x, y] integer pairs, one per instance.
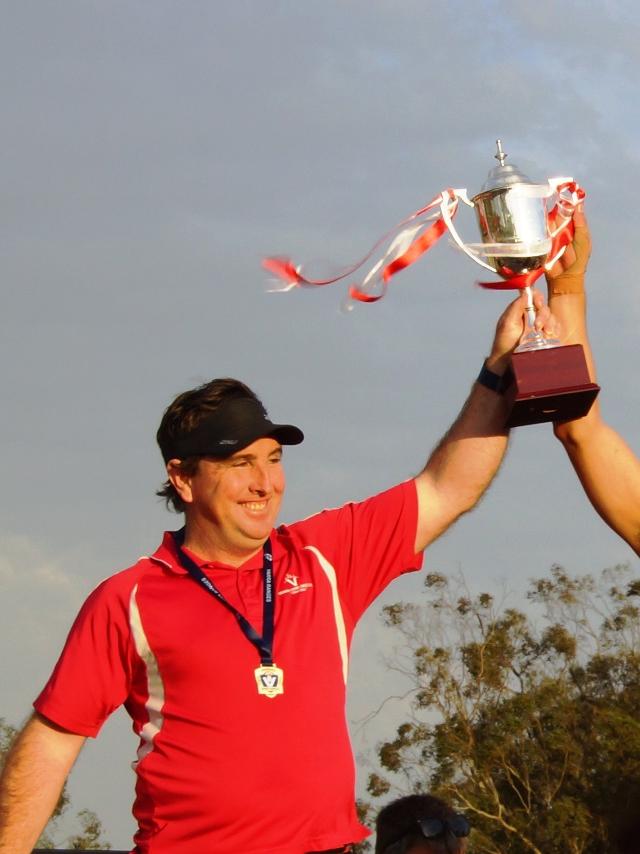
{"points": [[185, 413], [399, 820]]}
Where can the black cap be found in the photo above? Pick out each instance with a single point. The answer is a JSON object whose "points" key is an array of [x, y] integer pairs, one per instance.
{"points": [[235, 424]]}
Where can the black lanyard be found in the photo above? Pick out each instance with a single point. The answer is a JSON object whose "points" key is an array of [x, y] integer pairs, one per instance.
{"points": [[263, 644]]}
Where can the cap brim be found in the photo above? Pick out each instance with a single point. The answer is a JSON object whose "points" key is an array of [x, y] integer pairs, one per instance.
{"points": [[286, 434]]}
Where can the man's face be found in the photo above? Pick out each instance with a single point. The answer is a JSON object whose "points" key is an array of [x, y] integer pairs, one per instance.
{"points": [[232, 504]]}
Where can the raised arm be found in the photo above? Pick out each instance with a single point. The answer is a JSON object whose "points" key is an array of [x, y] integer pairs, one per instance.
{"points": [[32, 779], [468, 456], [607, 468]]}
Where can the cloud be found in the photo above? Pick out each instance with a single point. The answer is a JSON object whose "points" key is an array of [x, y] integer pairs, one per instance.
{"points": [[39, 601]]}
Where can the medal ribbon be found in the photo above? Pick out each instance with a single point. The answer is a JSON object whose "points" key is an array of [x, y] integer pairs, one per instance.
{"points": [[264, 643]]}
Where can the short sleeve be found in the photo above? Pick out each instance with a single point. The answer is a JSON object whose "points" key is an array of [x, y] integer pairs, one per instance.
{"points": [[92, 676], [369, 543]]}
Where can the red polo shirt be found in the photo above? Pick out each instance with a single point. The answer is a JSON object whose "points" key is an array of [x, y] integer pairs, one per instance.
{"points": [[220, 768]]}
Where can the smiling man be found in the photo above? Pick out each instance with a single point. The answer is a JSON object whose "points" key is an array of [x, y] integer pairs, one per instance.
{"points": [[229, 645]]}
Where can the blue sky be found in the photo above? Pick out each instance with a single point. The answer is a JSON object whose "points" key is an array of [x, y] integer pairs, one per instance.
{"points": [[153, 152]]}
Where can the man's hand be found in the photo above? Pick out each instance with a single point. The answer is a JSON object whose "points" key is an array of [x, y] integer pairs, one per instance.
{"points": [[511, 325], [608, 469], [567, 274], [567, 298]]}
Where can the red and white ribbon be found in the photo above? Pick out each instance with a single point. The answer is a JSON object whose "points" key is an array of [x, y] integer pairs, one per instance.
{"points": [[416, 234], [407, 241]]}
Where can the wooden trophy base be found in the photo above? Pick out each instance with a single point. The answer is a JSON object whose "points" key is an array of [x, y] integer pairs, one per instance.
{"points": [[550, 384]]}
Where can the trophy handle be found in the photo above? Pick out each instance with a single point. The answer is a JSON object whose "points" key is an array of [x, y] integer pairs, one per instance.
{"points": [[565, 206], [565, 209], [445, 210]]}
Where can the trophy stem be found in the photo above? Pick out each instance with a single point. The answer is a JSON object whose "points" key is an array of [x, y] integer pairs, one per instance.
{"points": [[531, 311], [532, 339]]}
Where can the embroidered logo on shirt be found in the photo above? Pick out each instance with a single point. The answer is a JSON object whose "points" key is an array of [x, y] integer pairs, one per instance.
{"points": [[294, 587]]}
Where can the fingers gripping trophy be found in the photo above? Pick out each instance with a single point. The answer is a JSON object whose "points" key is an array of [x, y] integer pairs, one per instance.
{"points": [[521, 236]]}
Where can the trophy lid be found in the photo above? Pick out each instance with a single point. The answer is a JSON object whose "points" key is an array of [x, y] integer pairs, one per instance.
{"points": [[503, 176]]}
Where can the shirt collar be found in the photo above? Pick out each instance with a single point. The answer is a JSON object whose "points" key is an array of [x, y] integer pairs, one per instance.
{"points": [[167, 554]]}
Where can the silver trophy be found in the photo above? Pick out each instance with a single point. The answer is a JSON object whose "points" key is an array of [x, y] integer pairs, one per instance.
{"points": [[547, 381], [517, 235], [521, 236]]}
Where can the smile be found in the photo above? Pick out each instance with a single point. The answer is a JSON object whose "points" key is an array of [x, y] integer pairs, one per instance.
{"points": [[255, 506]]}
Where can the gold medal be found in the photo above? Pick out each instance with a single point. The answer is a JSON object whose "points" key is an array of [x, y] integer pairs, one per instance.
{"points": [[270, 680]]}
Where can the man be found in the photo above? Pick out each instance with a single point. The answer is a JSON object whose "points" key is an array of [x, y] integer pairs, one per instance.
{"points": [[421, 824], [608, 469], [229, 646]]}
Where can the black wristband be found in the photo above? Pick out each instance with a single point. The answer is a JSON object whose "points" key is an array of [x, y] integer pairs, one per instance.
{"points": [[492, 381]]}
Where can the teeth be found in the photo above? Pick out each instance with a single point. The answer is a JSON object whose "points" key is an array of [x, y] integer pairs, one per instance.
{"points": [[255, 505]]}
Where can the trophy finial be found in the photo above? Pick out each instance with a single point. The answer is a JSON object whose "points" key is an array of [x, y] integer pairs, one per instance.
{"points": [[500, 156]]}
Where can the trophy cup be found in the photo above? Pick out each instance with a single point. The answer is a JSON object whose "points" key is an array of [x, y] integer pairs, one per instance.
{"points": [[521, 237], [547, 381]]}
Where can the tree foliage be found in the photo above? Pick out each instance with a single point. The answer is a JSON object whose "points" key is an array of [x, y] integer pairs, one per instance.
{"points": [[526, 720], [89, 836]]}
